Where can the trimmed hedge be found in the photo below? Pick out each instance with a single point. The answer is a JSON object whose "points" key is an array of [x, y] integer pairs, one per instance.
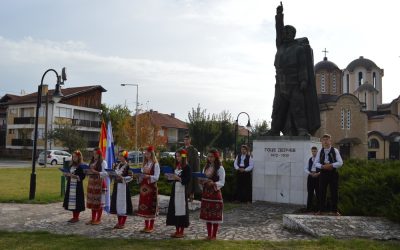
{"points": [[366, 188], [370, 188]]}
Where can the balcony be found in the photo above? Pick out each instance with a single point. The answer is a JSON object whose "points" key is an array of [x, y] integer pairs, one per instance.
{"points": [[86, 123], [3, 126], [21, 142], [24, 120]]}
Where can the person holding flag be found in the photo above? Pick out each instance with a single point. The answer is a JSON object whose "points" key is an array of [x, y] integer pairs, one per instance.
{"points": [[110, 158], [96, 189], [121, 203], [148, 199]]}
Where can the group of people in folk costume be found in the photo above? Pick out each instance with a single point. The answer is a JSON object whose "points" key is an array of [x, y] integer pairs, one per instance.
{"points": [[211, 210]]}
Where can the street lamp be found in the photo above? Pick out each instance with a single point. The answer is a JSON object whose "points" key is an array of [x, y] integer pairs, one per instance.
{"points": [[136, 115], [248, 126], [57, 95]]}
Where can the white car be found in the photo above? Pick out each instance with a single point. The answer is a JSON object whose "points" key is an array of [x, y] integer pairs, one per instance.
{"points": [[54, 157]]}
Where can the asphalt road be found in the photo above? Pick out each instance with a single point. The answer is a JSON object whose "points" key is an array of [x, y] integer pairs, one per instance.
{"points": [[15, 164]]}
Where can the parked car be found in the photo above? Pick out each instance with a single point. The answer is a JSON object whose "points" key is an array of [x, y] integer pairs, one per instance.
{"points": [[167, 154], [135, 157], [54, 157]]}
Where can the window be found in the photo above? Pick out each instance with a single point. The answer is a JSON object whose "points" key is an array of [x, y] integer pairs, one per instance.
{"points": [[373, 143], [374, 79], [322, 82], [13, 111], [11, 131], [63, 112], [334, 83], [360, 78], [161, 132], [27, 112], [42, 111], [342, 118], [347, 83], [348, 119], [41, 133]]}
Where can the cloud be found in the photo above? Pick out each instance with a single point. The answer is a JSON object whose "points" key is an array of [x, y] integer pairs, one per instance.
{"points": [[168, 86]]}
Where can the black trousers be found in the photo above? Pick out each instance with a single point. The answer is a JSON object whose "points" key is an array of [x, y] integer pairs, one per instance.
{"points": [[331, 179], [243, 186], [312, 187]]}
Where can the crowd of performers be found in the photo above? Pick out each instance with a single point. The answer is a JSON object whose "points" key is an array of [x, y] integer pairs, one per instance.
{"points": [[212, 179]]}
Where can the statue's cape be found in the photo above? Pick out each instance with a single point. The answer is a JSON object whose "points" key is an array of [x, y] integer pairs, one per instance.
{"points": [[310, 94]]}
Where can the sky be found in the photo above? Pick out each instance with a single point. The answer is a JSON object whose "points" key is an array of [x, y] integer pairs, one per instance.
{"points": [[218, 54]]}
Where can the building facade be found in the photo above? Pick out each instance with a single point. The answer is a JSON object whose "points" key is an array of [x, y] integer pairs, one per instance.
{"points": [[352, 110], [80, 107]]}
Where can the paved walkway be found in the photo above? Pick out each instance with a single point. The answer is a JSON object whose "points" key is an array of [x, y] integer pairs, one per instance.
{"points": [[343, 226], [257, 221]]}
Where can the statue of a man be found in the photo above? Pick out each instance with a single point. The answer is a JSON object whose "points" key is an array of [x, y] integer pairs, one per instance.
{"points": [[295, 108]]}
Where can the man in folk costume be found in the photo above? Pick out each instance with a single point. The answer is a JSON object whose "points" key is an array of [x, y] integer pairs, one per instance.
{"points": [[312, 179], [194, 163], [148, 199], [74, 199], [178, 210], [121, 203], [96, 189], [244, 165], [212, 204], [328, 160]]}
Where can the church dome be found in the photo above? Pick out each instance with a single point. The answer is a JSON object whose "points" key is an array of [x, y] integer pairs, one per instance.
{"points": [[325, 64], [361, 62]]}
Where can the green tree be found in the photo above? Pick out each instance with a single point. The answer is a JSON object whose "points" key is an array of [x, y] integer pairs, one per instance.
{"points": [[69, 137], [259, 129], [122, 124], [208, 131], [200, 128]]}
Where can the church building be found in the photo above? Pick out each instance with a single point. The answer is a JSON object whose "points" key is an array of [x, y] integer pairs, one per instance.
{"points": [[352, 110]]}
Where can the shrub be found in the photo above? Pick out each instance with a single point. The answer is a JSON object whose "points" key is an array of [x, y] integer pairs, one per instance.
{"points": [[370, 188]]}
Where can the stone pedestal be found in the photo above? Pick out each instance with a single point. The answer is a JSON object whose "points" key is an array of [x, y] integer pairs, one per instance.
{"points": [[278, 174]]}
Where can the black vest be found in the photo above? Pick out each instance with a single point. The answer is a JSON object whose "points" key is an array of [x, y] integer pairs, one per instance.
{"points": [[331, 156], [310, 163], [246, 160]]}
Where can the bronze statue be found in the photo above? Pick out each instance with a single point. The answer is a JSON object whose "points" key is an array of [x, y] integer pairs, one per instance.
{"points": [[295, 108]]}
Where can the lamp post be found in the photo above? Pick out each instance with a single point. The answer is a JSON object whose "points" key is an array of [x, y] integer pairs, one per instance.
{"points": [[57, 95], [136, 118], [248, 126]]}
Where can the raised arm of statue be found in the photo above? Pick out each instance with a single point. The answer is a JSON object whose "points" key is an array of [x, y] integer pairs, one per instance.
{"points": [[279, 24]]}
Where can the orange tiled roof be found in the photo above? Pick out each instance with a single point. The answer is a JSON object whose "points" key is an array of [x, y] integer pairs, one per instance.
{"points": [[165, 120], [67, 92]]}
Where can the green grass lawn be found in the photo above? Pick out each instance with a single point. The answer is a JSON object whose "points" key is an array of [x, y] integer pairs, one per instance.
{"points": [[42, 240], [14, 185]]}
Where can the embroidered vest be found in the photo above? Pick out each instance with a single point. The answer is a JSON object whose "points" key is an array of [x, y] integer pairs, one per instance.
{"points": [[246, 160], [331, 156], [310, 163]]}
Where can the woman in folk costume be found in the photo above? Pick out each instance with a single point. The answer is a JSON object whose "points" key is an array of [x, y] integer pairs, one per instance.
{"points": [[178, 210], [121, 203], [211, 199], [148, 200], [96, 189], [74, 199]]}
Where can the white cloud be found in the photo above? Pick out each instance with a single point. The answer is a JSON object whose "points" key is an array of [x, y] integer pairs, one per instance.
{"points": [[168, 86]]}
